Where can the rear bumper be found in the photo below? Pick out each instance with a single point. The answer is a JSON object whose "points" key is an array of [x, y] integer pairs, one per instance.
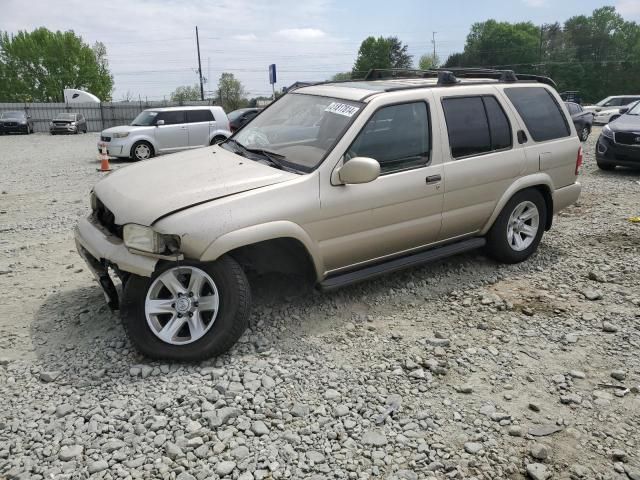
{"points": [[107, 249], [565, 196], [609, 152]]}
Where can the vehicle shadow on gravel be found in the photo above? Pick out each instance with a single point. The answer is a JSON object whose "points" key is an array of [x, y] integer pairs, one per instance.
{"points": [[74, 329]]}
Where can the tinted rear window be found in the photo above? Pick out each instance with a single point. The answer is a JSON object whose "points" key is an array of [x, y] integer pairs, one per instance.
{"points": [[467, 126], [541, 113], [194, 116]]}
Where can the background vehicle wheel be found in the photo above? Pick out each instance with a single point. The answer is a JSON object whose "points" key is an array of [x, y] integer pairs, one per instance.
{"points": [[584, 133], [189, 311], [217, 139], [605, 165], [141, 151], [517, 231]]}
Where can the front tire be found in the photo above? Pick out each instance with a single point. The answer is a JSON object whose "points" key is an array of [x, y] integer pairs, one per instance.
{"points": [[606, 166], [141, 151], [517, 231], [188, 311]]}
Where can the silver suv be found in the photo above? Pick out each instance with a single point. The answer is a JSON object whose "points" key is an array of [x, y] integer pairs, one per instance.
{"points": [[166, 130], [340, 182]]}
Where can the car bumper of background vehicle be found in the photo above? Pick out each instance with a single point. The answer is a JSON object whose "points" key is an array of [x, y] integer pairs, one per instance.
{"points": [[625, 155], [565, 196], [114, 150], [63, 129], [105, 248], [14, 129]]}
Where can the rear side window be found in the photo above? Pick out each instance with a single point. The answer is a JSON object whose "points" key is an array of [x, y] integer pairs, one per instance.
{"points": [[540, 111], [476, 125], [396, 136], [172, 117], [194, 116]]}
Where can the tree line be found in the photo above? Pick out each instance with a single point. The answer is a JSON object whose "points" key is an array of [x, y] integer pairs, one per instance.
{"points": [[598, 55]]}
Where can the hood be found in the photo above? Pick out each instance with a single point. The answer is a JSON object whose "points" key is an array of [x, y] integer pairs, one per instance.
{"points": [[608, 111], [143, 192], [626, 123], [125, 128]]}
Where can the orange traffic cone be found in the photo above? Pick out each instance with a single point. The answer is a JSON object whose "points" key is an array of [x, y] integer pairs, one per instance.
{"points": [[104, 159]]}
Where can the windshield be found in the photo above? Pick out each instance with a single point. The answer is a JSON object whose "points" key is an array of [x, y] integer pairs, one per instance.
{"points": [[299, 128], [144, 119], [12, 115], [635, 109], [65, 116]]}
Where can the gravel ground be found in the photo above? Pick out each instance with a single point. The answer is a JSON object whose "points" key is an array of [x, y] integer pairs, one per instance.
{"points": [[462, 369]]}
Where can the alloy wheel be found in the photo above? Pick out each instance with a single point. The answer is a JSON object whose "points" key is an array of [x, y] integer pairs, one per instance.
{"points": [[181, 305], [523, 225]]}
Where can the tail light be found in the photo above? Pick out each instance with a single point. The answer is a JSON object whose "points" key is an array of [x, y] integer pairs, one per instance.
{"points": [[579, 160]]}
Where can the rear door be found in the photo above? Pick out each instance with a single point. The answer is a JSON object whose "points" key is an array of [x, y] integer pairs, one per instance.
{"points": [[200, 124], [550, 145], [173, 135], [483, 158]]}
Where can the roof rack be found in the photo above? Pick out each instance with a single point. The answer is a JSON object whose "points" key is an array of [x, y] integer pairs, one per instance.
{"points": [[452, 76]]}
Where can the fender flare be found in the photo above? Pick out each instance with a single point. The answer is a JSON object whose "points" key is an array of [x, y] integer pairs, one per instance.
{"points": [[260, 233], [535, 180]]}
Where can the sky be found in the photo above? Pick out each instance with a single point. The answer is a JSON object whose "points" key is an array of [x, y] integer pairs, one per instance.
{"points": [[152, 50]]}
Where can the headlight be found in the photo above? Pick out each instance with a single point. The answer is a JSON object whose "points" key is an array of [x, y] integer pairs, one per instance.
{"points": [[51, 124], [120, 134], [73, 124], [607, 132], [145, 239]]}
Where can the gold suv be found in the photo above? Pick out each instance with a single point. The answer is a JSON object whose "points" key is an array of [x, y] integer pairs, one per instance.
{"points": [[340, 181]]}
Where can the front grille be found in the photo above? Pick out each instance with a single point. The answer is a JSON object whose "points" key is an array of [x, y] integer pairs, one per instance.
{"points": [[105, 217], [105, 139], [628, 138], [61, 124], [10, 124]]}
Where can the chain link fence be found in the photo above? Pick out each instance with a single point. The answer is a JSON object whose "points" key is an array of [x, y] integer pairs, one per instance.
{"points": [[99, 115]]}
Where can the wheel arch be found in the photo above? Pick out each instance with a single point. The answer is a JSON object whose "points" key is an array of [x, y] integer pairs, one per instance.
{"points": [[278, 237], [219, 133], [540, 182]]}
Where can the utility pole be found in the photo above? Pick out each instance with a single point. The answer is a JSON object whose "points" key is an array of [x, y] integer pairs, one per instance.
{"points": [[199, 65], [540, 49], [433, 40]]}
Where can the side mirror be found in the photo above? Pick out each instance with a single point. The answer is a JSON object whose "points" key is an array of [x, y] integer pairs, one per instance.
{"points": [[159, 122], [623, 110], [358, 170]]}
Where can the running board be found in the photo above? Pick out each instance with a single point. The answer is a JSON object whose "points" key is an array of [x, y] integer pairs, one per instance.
{"points": [[432, 255]]}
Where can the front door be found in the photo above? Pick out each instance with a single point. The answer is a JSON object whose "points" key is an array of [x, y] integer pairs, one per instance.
{"points": [[401, 209], [173, 135], [200, 123]]}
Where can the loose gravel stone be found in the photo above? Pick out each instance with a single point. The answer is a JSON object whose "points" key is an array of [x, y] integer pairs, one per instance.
{"points": [[225, 467], [97, 466], [69, 452], [537, 471]]}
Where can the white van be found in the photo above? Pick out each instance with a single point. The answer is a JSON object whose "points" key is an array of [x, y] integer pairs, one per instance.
{"points": [[166, 130]]}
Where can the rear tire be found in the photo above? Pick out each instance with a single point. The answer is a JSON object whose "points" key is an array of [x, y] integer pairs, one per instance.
{"points": [[217, 139], [142, 151], [584, 133], [224, 328], [516, 233]]}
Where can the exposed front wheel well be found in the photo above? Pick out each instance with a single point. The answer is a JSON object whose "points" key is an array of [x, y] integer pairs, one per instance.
{"points": [[283, 255]]}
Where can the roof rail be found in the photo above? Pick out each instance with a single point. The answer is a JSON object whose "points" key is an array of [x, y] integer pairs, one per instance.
{"points": [[448, 76]]}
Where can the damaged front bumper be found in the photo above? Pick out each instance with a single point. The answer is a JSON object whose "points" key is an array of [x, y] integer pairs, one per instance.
{"points": [[101, 250]]}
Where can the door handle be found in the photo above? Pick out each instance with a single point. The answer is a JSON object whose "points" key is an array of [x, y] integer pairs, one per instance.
{"points": [[433, 178]]}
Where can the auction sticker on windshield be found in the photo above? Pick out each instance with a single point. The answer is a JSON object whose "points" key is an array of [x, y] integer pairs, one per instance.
{"points": [[342, 109]]}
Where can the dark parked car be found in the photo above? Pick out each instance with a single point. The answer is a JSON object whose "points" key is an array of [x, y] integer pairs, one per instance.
{"points": [[619, 142], [239, 117], [68, 123], [16, 121], [581, 119]]}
